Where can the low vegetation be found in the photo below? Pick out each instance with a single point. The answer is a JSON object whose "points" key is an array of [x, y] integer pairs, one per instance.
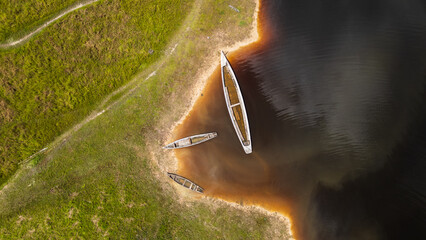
{"points": [[18, 17], [102, 181], [99, 185], [54, 80]]}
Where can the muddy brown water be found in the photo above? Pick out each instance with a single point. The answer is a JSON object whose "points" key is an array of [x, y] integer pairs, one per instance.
{"points": [[335, 96]]}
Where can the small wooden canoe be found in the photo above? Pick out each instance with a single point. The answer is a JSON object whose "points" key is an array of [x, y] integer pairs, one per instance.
{"points": [[235, 104], [185, 182], [191, 141]]}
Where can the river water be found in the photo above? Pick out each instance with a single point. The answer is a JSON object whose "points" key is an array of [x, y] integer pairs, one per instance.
{"points": [[336, 98]]}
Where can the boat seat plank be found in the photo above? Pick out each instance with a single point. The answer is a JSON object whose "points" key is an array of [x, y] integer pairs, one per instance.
{"points": [[235, 104], [185, 183]]}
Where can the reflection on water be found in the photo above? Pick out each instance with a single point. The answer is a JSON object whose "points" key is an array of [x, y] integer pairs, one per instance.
{"points": [[335, 96]]}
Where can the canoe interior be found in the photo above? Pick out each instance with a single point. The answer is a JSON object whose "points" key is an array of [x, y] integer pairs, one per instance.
{"points": [[199, 139], [235, 103], [186, 183], [184, 142], [232, 91], [181, 181], [191, 141]]}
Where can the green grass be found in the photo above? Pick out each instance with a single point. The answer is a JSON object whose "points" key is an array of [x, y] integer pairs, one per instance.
{"points": [[95, 187], [20, 16], [35, 160], [59, 76], [101, 181], [221, 14]]}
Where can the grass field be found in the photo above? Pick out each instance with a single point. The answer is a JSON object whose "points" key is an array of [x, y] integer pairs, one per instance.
{"points": [[101, 181], [58, 77], [18, 17]]}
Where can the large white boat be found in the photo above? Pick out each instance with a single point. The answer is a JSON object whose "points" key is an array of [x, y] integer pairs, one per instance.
{"points": [[191, 140], [235, 104]]}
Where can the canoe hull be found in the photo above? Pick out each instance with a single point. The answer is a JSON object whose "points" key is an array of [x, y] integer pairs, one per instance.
{"points": [[191, 140], [235, 104], [185, 182]]}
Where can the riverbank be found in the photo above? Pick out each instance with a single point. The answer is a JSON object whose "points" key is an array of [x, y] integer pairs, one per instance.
{"points": [[206, 66], [97, 181], [166, 159]]}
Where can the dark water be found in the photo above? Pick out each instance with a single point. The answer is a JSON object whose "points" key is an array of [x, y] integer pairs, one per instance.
{"points": [[336, 97]]}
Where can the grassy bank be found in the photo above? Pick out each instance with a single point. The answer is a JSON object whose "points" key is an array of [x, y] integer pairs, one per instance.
{"points": [[103, 181], [54, 80], [18, 17]]}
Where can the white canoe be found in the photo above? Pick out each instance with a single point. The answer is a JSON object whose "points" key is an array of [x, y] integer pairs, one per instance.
{"points": [[235, 104], [191, 140], [185, 182]]}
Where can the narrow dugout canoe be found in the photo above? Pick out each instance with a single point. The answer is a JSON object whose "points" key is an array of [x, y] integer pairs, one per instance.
{"points": [[191, 140], [186, 182], [235, 104]]}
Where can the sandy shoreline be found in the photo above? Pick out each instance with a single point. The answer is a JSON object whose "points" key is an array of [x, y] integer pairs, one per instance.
{"points": [[166, 160], [172, 163], [202, 77], [214, 60]]}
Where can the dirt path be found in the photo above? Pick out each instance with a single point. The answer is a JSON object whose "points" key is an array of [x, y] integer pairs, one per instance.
{"points": [[44, 25], [166, 160], [127, 89]]}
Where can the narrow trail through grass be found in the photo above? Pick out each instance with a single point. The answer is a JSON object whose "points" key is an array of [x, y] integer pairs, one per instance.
{"points": [[58, 78], [99, 180], [126, 89], [15, 43]]}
